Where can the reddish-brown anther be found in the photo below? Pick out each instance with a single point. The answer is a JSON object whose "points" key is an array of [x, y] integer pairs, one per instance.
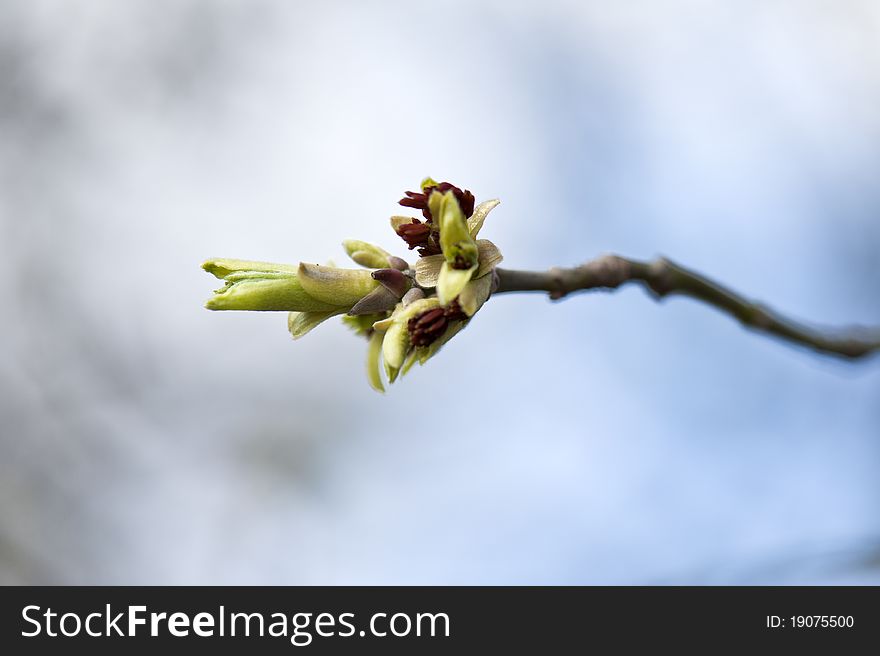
{"points": [[419, 201], [415, 234], [419, 235], [422, 235], [426, 327], [454, 311]]}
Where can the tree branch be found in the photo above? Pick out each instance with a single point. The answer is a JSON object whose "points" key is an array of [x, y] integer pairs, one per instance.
{"points": [[663, 277]]}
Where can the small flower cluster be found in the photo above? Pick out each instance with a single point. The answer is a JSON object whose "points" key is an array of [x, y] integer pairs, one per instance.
{"points": [[406, 312]]}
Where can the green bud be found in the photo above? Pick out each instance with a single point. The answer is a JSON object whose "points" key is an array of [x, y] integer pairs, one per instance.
{"points": [[339, 287], [366, 254], [260, 286], [384, 305]]}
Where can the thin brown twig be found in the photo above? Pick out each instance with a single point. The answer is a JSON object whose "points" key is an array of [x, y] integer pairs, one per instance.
{"points": [[663, 277]]}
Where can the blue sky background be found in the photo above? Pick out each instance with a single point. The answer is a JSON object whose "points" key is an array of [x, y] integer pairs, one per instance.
{"points": [[604, 439]]}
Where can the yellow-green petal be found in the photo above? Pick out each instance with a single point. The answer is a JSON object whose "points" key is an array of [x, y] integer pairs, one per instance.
{"points": [[452, 281], [431, 350], [374, 352], [474, 294], [411, 359], [383, 324], [395, 344], [490, 257], [404, 314], [481, 211], [391, 372], [455, 241]]}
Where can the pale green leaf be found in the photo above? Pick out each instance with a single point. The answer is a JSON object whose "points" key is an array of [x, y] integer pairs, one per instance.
{"points": [[300, 323]]}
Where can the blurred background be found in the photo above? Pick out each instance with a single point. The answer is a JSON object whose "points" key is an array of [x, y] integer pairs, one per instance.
{"points": [[605, 439]]}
